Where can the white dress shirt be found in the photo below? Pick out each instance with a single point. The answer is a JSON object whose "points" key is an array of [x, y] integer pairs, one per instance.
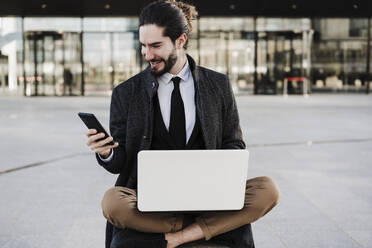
{"points": [[187, 90]]}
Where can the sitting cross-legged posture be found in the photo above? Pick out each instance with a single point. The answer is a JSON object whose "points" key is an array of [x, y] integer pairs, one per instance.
{"points": [[172, 104]]}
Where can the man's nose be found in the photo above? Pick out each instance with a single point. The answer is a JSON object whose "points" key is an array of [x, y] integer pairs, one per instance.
{"points": [[148, 55]]}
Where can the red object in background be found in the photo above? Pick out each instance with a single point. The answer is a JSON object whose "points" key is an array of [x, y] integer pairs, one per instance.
{"points": [[295, 78]]}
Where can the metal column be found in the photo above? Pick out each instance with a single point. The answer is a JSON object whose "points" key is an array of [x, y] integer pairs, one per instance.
{"points": [[82, 57], [24, 57], [368, 72], [255, 34]]}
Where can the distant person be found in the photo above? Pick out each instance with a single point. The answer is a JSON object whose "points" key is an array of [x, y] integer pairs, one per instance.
{"points": [[67, 81], [172, 104]]}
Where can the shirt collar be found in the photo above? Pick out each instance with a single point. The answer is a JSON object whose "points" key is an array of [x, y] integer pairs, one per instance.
{"points": [[183, 74]]}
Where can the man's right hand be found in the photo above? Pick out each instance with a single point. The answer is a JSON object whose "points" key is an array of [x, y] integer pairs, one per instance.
{"points": [[100, 147]]}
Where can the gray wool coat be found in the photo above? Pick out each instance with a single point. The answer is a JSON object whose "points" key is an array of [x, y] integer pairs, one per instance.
{"points": [[131, 118]]}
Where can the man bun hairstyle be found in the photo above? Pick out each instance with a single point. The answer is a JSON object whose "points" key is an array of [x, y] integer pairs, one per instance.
{"points": [[174, 16]]}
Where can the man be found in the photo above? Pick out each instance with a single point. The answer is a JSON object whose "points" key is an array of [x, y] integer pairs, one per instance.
{"points": [[173, 104], [67, 81]]}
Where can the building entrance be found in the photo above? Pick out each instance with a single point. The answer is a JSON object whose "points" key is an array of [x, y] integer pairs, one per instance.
{"points": [[279, 55], [282, 56], [52, 63]]}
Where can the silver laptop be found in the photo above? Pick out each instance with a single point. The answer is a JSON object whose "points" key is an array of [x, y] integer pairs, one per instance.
{"points": [[191, 180]]}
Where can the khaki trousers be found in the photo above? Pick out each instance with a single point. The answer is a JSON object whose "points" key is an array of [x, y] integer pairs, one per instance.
{"points": [[119, 206]]}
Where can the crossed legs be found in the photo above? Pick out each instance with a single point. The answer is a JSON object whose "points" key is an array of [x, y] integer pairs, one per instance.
{"points": [[119, 206]]}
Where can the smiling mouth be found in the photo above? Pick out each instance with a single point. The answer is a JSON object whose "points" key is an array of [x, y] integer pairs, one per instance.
{"points": [[154, 63]]}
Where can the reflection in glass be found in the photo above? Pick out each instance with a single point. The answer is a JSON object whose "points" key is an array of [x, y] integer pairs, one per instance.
{"points": [[97, 62], [339, 55], [47, 55], [58, 24], [109, 58], [110, 24], [125, 59], [331, 52]]}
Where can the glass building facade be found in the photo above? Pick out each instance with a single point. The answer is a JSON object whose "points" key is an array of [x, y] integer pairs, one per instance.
{"points": [[90, 56]]}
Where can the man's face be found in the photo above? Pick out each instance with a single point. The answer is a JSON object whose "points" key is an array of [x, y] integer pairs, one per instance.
{"points": [[157, 49]]}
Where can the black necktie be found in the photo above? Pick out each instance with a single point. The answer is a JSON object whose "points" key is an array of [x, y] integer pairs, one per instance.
{"points": [[177, 126]]}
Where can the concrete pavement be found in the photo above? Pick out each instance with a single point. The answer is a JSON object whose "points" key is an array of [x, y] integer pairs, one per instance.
{"points": [[317, 149]]}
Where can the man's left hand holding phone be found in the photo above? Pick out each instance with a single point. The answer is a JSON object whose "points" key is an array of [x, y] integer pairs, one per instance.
{"points": [[98, 139]]}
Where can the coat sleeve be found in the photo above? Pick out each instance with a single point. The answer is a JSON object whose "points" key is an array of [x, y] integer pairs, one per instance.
{"points": [[231, 131], [118, 130]]}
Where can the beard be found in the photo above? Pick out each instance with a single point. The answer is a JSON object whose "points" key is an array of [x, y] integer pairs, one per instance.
{"points": [[168, 64]]}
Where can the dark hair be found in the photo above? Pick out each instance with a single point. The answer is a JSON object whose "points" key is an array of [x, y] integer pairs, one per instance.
{"points": [[175, 17]]}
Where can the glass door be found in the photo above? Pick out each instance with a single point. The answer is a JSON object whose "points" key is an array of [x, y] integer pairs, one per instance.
{"points": [[213, 50], [48, 55], [68, 64], [241, 60], [231, 53], [98, 68], [125, 59], [280, 56]]}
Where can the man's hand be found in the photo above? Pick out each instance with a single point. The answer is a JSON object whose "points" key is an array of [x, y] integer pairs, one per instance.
{"points": [[100, 147]]}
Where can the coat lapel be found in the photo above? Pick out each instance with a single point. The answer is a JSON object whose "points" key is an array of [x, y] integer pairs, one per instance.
{"points": [[151, 84], [203, 104]]}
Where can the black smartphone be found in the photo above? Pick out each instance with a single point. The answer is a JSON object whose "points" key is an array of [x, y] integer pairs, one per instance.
{"points": [[91, 122]]}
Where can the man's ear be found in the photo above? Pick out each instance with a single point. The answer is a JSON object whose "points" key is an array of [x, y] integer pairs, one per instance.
{"points": [[180, 42]]}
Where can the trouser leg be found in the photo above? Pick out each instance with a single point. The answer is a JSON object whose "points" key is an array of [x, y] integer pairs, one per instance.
{"points": [[261, 196], [119, 206]]}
